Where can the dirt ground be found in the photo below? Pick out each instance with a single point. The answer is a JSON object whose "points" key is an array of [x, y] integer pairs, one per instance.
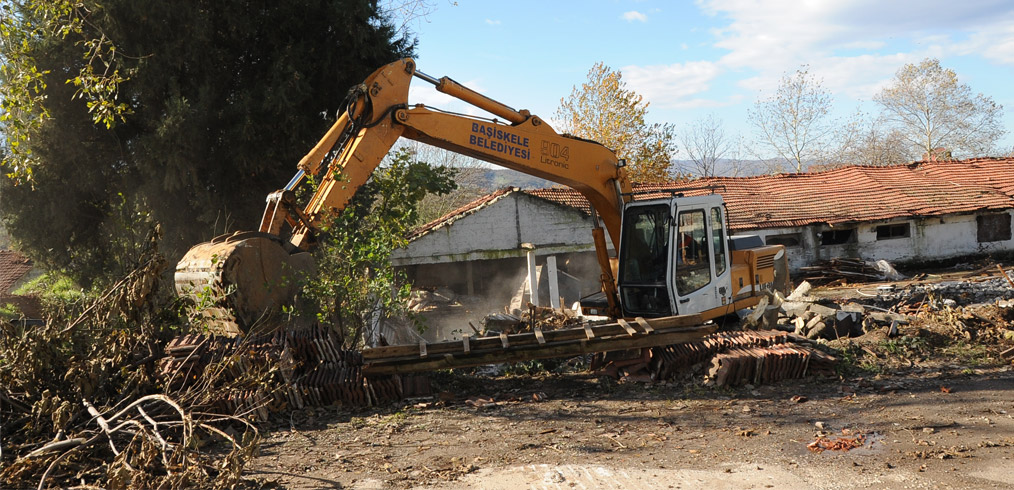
{"points": [[930, 408], [946, 427]]}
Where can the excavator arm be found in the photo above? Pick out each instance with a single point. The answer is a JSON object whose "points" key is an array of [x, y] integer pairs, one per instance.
{"points": [[377, 114]]}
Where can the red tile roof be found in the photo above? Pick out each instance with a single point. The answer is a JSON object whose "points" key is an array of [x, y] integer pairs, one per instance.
{"points": [[563, 195], [857, 193], [842, 195], [13, 267], [467, 209]]}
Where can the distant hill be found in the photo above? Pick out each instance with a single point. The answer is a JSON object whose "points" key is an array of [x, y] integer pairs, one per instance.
{"points": [[496, 178]]}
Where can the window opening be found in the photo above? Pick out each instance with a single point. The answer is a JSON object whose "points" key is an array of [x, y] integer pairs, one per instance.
{"points": [[837, 237], [993, 227], [718, 240], [897, 230], [787, 240], [693, 261]]}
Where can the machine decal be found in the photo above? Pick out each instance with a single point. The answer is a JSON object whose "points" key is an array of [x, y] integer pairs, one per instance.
{"points": [[498, 140], [555, 154]]}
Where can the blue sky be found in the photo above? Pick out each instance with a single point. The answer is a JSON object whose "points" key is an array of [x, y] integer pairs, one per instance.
{"points": [[689, 59]]}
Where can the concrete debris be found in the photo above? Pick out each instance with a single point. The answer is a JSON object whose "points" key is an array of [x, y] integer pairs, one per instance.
{"points": [[889, 306], [799, 294], [847, 270]]}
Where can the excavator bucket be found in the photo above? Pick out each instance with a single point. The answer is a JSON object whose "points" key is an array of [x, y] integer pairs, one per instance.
{"points": [[237, 280]]}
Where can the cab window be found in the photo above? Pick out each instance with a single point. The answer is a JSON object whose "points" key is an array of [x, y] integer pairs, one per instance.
{"points": [[718, 240], [693, 260]]}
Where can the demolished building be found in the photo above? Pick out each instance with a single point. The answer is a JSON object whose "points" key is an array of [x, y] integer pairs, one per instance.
{"points": [[914, 212]]}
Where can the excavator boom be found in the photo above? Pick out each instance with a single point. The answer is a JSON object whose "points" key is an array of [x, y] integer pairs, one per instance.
{"points": [[237, 270]]}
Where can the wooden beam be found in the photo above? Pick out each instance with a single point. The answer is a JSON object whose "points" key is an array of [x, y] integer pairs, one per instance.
{"points": [[528, 338], [564, 349]]}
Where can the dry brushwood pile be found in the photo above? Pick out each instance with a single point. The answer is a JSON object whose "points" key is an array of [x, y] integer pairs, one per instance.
{"points": [[536, 317], [81, 406]]}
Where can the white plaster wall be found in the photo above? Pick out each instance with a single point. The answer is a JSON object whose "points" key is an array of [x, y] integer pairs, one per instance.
{"points": [[545, 224], [493, 227], [929, 239], [804, 254], [498, 230]]}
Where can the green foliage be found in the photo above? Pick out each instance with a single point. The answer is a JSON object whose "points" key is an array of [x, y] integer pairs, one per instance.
{"points": [[124, 114], [905, 346], [355, 279], [604, 110], [53, 287]]}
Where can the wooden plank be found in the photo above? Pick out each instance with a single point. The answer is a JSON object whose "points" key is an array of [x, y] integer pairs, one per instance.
{"points": [[554, 285], [422, 348], [503, 340], [644, 324], [464, 343], [521, 339], [565, 349], [533, 279], [498, 347], [539, 336], [626, 326]]}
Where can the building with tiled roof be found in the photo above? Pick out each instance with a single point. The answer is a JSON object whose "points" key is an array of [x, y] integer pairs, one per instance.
{"points": [[912, 212], [15, 270], [481, 247], [14, 267], [902, 213]]}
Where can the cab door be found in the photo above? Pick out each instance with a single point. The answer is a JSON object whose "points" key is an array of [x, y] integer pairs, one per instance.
{"points": [[700, 271]]}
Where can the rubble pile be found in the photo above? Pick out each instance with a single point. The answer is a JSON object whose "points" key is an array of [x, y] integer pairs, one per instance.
{"points": [[925, 312], [537, 317], [847, 270]]}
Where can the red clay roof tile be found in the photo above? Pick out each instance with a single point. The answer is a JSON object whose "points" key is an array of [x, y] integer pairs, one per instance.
{"points": [[842, 195]]}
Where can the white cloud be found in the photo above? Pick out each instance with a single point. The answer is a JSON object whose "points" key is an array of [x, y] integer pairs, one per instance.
{"points": [[493, 22], [855, 45], [671, 86], [634, 15]]}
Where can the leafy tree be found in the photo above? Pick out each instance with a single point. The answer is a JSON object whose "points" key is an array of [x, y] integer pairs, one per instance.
{"points": [[794, 121], [185, 113], [932, 110], [355, 278], [604, 110], [864, 141]]}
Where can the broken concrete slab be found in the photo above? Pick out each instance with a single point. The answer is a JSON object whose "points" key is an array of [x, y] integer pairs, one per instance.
{"points": [[800, 292]]}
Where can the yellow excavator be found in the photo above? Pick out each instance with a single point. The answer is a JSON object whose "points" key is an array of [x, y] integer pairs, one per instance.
{"points": [[674, 256]]}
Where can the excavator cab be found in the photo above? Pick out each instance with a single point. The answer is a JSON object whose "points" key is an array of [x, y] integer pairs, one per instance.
{"points": [[674, 256]]}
